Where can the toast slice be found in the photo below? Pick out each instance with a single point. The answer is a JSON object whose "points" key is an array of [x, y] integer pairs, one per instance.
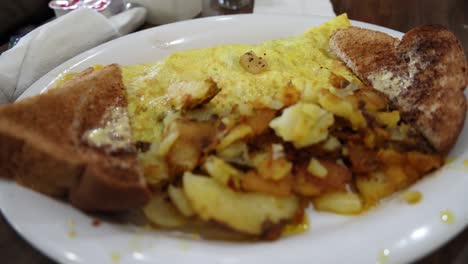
{"points": [[62, 143], [424, 75]]}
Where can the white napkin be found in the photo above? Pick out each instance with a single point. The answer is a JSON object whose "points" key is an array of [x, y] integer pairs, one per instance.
{"points": [[48, 46], [294, 7]]}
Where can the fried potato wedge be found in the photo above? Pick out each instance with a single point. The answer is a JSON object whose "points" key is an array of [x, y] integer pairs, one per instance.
{"points": [[180, 201], [193, 137], [339, 202], [162, 212], [374, 187], [250, 213]]}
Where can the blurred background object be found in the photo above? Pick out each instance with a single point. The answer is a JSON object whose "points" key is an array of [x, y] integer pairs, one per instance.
{"points": [[19, 34], [167, 11], [105, 7], [16, 15], [401, 15], [51, 44], [233, 4], [294, 7]]}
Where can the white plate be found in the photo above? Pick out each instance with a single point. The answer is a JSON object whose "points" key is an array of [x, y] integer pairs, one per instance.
{"points": [[401, 231]]}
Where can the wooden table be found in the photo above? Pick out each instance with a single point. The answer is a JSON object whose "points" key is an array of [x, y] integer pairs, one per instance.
{"points": [[397, 14]]}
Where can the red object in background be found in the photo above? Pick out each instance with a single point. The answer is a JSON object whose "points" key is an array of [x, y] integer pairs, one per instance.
{"points": [[107, 7], [65, 4]]}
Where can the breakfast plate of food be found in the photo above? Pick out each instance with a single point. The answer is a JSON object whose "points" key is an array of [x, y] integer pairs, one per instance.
{"points": [[243, 139]]}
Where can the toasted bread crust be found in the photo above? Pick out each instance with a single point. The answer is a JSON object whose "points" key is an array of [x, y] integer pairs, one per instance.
{"points": [[43, 147], [424, 74], [438, 47], [352, 45], [438, 85]]}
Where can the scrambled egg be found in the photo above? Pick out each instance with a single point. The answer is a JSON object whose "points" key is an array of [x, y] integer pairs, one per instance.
{"points": [[302, 60]]}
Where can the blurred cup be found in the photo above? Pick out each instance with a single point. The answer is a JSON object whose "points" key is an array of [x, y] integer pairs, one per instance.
{"points": [[233, 4], [167, 11]]}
